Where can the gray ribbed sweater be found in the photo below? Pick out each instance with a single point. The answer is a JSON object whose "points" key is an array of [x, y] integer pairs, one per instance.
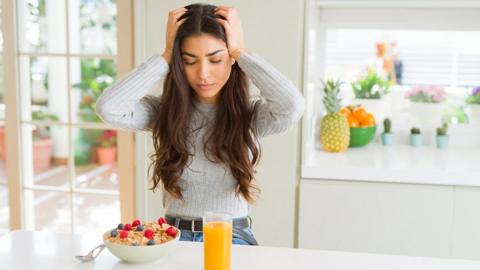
{"points": [[206, 186]]}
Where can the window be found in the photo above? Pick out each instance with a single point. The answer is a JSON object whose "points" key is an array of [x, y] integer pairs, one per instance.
{"points": [[67, 55], [4, 209], [435, 46], [446, 58]]}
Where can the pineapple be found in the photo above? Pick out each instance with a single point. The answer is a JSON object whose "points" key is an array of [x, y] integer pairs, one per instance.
{"points": [[334, 130]]}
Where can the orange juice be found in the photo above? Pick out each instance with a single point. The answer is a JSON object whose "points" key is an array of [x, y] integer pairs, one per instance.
{"points": [[217, 237]]}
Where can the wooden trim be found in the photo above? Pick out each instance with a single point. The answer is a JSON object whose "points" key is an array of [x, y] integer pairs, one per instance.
{"points": [[12, 114], [126, 144]]}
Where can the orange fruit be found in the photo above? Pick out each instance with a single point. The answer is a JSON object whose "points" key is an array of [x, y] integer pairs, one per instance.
{"points": [[359, 113], [368, 121], [345, 111], [352, 121]]}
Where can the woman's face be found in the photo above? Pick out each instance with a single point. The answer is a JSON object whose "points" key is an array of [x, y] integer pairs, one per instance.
{"points": [[207, 66]]}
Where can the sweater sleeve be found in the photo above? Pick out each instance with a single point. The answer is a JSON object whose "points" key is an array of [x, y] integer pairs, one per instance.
{"points": [[281, 104], [124, 103]]}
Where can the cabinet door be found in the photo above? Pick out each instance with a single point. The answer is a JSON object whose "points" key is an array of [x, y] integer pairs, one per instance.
{"points": [[466, 223], [376, 217]]}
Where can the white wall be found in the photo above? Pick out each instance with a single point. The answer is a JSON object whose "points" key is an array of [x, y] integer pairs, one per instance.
{"points": [[274, 30]]}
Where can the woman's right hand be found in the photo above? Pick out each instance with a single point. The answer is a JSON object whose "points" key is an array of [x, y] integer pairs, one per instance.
{"points": [[172, 27]]}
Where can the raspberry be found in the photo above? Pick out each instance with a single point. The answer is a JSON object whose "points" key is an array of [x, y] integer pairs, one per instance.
{"points": [[136, 223], [148, 233], [123, 234], [127, 227], [161, 221], [171, 231]]}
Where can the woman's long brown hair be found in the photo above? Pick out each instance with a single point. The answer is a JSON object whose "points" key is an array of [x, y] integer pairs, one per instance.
{"points": [[231, 142]]}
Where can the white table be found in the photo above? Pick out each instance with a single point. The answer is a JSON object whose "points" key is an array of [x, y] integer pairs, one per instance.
{"points": [[44, 250]]}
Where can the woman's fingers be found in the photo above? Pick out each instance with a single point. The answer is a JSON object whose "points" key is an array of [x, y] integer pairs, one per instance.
{"points": [[172, 26], [179, 22], [224, 23], [226, 12], [176, 14]]}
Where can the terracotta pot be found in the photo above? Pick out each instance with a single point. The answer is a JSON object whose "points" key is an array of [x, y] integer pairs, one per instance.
{"points": [[42, 154], [106, 155], [2, 144]]}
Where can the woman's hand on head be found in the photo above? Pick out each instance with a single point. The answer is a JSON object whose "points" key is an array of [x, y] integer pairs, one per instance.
{"points": [[233, 30], [172, 26]]}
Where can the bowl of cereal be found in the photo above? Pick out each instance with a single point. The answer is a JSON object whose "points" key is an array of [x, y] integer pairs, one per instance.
{"points": [[142, 242]]}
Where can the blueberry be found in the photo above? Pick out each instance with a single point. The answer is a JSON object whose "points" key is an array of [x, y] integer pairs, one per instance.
{"points": [[114, 233], [139, 228], [120, 226], [151, 242]]}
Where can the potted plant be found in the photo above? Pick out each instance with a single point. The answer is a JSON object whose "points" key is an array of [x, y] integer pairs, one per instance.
{"points": [[42, 142], [473, 101], [416, 137], [96, 75], [442, 136], [426, 103], [387, 135], [369, 91], [107, 150]]}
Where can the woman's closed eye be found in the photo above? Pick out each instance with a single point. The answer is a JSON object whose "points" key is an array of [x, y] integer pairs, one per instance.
{"points": [[213, 61]]}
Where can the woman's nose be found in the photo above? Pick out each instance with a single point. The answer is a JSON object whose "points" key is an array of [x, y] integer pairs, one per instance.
{"points": [[203, 70]]}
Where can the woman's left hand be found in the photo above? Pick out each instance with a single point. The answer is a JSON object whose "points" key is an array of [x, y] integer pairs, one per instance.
{"points": [[233, 29]]}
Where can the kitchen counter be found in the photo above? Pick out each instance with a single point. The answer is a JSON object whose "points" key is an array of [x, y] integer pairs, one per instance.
{"points": [[401, 163], [45, 250]]}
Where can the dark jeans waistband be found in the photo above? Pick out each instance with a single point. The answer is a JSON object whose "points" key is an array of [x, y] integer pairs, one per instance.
{"points": [[196, 225]]}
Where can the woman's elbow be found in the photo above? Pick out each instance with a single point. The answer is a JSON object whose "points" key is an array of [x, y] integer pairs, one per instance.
{"points": [[298, 107]]}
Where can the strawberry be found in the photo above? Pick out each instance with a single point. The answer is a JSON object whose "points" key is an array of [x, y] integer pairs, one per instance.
{"points": [[148, 233], [171, 231], [161, 221], [136, 223], [123, 234], [127, 227]]}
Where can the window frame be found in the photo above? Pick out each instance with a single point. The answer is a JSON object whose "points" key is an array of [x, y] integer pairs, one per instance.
{"points": [[125, 145]]}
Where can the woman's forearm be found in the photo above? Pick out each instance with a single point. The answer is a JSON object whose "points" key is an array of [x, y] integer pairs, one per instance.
{"points": [[282, 104]]}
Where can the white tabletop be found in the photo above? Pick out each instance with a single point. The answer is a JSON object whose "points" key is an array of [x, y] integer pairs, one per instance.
{"points": [[45, 250]]}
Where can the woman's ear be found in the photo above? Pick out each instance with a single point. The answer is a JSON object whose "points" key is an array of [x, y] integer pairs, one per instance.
{"points": [[233, 60]]}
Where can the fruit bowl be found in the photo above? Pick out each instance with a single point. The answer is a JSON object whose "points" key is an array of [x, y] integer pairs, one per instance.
{"points": [[361, 136], [142, 242], [142, 254]]}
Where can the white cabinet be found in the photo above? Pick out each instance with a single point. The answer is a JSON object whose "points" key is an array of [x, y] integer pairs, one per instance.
{"points": [[404, 219], [466, 223]]}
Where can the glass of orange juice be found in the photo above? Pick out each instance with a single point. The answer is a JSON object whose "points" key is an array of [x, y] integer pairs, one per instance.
{"points": [[217, 240]]}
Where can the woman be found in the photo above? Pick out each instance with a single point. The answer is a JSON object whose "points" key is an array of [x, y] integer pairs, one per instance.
{"points": [[205, 126]]}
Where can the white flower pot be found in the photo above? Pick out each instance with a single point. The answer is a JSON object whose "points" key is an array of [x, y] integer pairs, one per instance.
{"points": [[474, 115], [426, 113], [380, 108]]}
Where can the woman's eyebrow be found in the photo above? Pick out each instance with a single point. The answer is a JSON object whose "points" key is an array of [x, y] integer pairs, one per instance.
{"points": [[208, 54]]}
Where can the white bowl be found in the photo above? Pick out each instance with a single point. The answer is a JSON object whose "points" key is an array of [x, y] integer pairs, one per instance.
{"points": [[142, 254]]}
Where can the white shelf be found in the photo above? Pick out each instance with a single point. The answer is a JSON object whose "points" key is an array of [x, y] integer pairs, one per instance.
{"points": [[457, 166]]}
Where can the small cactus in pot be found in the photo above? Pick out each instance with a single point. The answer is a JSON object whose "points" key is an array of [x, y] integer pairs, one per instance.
{"points": [[387, 135], [416, 137], [442, 136]]}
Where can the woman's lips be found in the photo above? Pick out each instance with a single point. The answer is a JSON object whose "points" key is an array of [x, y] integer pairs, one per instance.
{"points": [[205, 86]]}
